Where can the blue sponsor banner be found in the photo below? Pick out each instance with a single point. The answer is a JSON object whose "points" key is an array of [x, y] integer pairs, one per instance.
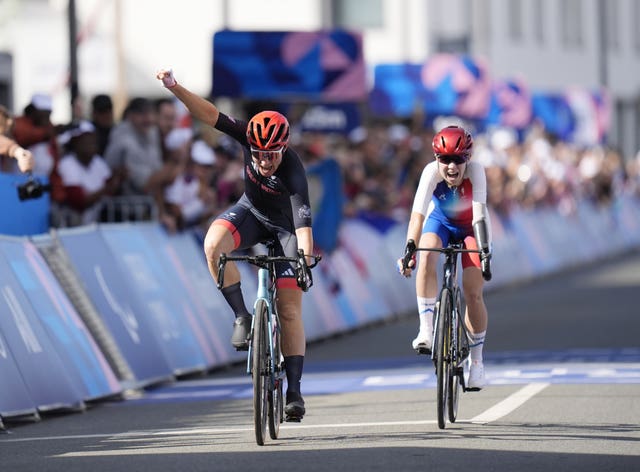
{"points": [[140, 265], [22, 218], [555, 113], [14, 395], [41, 368], [83, 360], [396, 89], [323, 65], [340, 118], [446, 84], [327, 201], [510, 104], [457, 85], [118, 304]]}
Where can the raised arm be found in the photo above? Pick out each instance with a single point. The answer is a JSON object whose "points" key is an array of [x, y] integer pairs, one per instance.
{"points": [[202, 109]]}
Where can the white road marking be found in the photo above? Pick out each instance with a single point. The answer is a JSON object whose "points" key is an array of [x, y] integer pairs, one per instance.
{"points": [[497, 411], [393, 380], [510, 403]]}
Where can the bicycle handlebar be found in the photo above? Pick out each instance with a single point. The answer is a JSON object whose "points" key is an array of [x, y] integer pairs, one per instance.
{"points": [[453, 248], [263, 261]]}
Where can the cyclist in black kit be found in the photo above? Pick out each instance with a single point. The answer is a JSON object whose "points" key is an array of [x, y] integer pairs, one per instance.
{"points": [[275, 205]]}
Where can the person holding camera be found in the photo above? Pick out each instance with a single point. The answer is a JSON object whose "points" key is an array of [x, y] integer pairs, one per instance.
{"points": [[35, 132], [8, 147]]}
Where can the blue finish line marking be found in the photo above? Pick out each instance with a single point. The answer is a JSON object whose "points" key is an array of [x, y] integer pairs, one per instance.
{"points": [[569, 367]]}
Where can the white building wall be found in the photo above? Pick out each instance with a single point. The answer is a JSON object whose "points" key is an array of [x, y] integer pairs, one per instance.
{"points": [[549, 65]]}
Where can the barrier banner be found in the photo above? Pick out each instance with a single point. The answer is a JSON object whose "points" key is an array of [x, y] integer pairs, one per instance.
{"points": [[41, 368], [115, 300], [15, 399], [202, 303], [85, 363], [356, 298], [394, 240], [509, 261], [367, 244], [141, 267]]}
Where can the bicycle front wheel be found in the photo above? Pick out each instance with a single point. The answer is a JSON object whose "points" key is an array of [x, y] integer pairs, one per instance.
{"points": [[442, 343], [276, 401], [260, 371], [457, 371]]}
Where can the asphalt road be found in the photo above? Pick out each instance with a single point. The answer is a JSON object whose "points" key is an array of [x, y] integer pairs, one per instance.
{"points": [[563, 362]]}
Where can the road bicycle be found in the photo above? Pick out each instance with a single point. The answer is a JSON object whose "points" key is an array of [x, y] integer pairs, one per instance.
{"points": [[265, 362], [450, 347]]}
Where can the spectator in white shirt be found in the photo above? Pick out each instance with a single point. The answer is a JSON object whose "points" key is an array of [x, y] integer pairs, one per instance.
{"points": [[85, 175], [190, 197]]}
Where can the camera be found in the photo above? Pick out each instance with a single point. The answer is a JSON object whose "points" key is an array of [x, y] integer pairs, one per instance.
{"points": [[31, 189]]}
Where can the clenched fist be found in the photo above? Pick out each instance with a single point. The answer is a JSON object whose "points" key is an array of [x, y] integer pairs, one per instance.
{"points": [[168, 80]]}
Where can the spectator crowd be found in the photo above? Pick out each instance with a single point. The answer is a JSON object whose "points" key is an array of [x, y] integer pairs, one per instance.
{"points": [[154, 163]]}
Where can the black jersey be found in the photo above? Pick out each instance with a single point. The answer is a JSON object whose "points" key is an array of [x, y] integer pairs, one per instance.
{"points": [[285, 193]]}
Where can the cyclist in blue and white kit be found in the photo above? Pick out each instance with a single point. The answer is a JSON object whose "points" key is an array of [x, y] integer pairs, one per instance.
{"points": [[274, 206], [450, 204]]}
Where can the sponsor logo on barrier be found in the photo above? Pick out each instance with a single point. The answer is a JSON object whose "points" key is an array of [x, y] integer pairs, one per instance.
{"points": [[22, 322], [3, 349], [166, 323], [126, 316]]}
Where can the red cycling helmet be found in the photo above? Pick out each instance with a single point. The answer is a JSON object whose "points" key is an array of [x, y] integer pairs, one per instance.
{"points": [[453, 141], [268, 131]]}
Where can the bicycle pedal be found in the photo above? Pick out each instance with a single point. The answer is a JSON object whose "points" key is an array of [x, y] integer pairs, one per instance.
{"points": [[293, 419], [421, 350], [472, 389]]}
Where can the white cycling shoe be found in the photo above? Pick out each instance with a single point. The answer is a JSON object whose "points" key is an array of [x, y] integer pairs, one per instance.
{"points": [[477, 379], [423, 341]]}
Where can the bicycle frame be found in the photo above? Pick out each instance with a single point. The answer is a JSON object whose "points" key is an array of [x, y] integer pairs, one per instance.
{"points": [[266, 366], [267, 293], [450, 344], [450, 283]]}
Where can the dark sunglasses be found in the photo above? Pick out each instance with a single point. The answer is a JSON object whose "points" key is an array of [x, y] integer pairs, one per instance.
{"points": [[457, 160], [266, 155]]}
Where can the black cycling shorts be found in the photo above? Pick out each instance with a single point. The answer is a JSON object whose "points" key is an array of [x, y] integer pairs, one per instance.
{"points": [[249, 228]]}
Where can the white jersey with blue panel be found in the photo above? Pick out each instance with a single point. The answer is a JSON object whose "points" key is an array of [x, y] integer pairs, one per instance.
{"points": [[461, 206]]}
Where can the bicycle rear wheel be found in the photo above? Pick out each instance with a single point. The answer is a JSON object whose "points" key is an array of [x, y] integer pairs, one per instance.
{"points": [[443, 365], [259, 371], [276, 402]]}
